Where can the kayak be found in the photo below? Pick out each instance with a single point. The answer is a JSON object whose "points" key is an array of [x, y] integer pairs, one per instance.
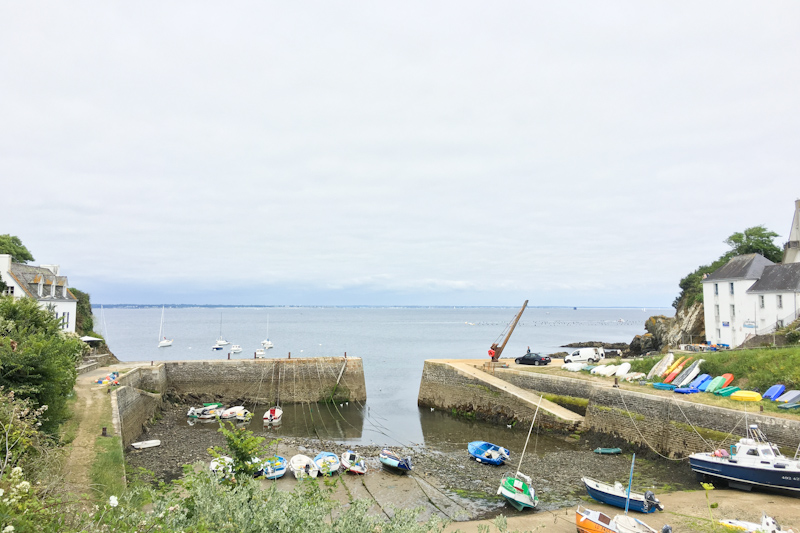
{"points": [[746, 396]]}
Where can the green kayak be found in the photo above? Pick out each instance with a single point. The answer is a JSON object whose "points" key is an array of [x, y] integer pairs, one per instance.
{"points": [[608, 451], [715, 384], [727, 391]]}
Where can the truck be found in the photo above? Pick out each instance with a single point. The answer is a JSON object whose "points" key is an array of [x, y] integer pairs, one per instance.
{"points": [[591, 355]]}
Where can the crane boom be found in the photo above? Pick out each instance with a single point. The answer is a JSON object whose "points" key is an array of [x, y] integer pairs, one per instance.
{"points": [[496, 349]]}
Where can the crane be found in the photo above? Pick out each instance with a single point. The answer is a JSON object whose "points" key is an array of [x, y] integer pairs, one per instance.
{"points": [[496, 350]]}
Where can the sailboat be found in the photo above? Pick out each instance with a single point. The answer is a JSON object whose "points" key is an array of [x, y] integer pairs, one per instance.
{"points": [[163, 342], [221, 340], [266, 343], [517, 489]]}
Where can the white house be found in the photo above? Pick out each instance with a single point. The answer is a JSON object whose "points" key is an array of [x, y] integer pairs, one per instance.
{"points": [[42, 283]]}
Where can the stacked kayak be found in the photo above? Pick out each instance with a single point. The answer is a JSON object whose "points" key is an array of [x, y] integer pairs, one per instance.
{"points": [[726, 391], [746, 396], [774, 392]]}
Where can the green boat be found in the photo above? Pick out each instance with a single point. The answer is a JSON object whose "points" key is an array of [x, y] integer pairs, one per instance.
{"points": [[727, 391], [715, 384], [518, 492], [789, 406], [608, 451]]}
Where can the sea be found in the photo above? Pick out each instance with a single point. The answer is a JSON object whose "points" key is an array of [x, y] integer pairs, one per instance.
{"points": [[393, 343]]}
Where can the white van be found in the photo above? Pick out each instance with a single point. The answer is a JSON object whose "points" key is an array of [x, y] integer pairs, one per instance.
{"points": [[592, 355]]}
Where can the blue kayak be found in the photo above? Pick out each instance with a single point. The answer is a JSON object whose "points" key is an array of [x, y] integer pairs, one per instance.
{"points": [[664, 386], [488, 453], [686, 390], [774, 392]]}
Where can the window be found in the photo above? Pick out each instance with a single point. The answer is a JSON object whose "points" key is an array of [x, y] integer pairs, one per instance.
{"points": [[9, 291], [716, 310], [779, 324], [779, 301], [716, 289], [65, 320], [733, 311], [761, 301], [719, 335], [731, 284]]}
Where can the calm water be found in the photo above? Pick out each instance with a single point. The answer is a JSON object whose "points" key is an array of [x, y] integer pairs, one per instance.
{"points": [[393, 343]]}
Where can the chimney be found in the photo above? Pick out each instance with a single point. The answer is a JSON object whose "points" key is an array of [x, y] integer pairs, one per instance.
{"points": [[52, 268], [53, 288]]}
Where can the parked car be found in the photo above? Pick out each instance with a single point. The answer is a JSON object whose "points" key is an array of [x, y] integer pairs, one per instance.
{"points": [[535, 359], [592, 355]]}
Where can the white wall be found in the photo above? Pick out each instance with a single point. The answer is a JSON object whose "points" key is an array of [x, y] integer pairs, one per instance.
{"points": [[722, 326], [771, 313]]}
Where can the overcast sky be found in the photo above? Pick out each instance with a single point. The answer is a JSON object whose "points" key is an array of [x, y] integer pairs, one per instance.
{"points": [[395, 153]]}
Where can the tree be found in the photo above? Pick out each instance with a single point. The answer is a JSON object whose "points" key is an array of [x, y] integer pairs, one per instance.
{"points": [[84, 322], [37, 358], [10, 244], [755, 240]]}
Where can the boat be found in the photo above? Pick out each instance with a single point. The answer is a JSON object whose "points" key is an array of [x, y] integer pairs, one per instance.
{"points": [[726, 391], [518, 489], [746, 396], [266, 343], [686, 390], [303, 466], [622, 369], [676, 372], [236, 348], [589, 521], [222, 466], [699, 380], [260, 353], [390, 459], [216, 347], [672, 367], [488, 453], [789, 397], [221, 340], [661, 366], [146, 444], [238, 412], [634, 376], [163, 341], [327, 463], [715, 384], [273, 415], [753, 462], [774, 392], [271, 467], [767, 525], [616, 495], [572, 367], [664, 386], [209, 410], [353, 462], [789, 406], [608, 451], [705, 384], [688, 375]]}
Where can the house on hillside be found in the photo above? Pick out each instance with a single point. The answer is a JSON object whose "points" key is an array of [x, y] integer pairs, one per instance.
{"points": [[42, 283], [750, 295]]}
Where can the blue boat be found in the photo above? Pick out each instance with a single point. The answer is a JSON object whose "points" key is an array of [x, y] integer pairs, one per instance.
{"points": [[616, 495], [488, 453], [327, 462], [272, 467], [753, 462], [699, 380], [390, 459], [664, 386], [686, 390], [774, 392]]}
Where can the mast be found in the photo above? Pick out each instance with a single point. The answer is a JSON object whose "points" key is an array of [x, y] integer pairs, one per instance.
{"points": [[529, 432], [499, 349]]}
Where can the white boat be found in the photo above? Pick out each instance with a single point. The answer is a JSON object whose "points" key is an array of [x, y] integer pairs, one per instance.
{"points": [[163, 341], [146, 444], [353, 462], [327, 463], [260, 353], [767, 525], [273, 415], [573, 367], [238, 412], [622, 369], [303, 466], [661, 366], [266, 343], [222, 467], [208, 411], [236, 348], [221, 340]]}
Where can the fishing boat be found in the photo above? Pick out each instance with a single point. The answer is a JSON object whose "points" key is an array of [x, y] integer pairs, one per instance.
{"points": [[327, 463], [163, 341], [390, 459], [767, 525], [753, 462], [488, 453], [271, 467], [517, 489], [146, 444], [353, 462], [273, 415], [616, 495], [303, 466], [209, 410]]}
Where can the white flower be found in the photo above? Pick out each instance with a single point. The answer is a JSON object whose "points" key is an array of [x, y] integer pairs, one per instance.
{"points": [[8, 529], [2, 492], [113, 501]]}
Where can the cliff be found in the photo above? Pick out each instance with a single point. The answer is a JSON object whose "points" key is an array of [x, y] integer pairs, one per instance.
{"points": [[686, 327]]}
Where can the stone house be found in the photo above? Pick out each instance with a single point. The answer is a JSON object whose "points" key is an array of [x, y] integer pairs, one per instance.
{"points": [[42, 283]]}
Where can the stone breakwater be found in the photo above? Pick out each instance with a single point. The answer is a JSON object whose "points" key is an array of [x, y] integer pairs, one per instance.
{"points": [[141, 393]]}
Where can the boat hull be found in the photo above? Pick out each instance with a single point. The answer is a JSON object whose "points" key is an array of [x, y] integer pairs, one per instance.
{"points": [[747, 476], [517, 493], [488, 453], [394, 462], [605, 493]]}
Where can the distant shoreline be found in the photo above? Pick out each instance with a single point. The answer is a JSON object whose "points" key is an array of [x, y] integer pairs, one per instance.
{"points": [[259, 306]]}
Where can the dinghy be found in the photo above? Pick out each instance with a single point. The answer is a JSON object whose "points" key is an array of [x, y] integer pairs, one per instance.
{"points": [[488, 453], [699, 380], [688, 375], [390, 459], [622, 369], [774, 392], [327, 463], [678, 369], [661, 365], [273, 415], [767, 525], [672, 367], [726, 391], [664, 386], [238, 412], [589, 521], [209, 410], [616, 495], [146, 444], [789, 397], [303, 466], [271, 467], [746, 396], [353, 462], [222, 467]]}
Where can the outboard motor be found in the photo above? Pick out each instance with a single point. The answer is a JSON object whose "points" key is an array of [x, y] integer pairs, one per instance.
{"points": [[666, 529], [650, 499]]}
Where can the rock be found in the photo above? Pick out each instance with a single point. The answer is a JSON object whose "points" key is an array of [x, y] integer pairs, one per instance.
{"points": [[664, 333]]}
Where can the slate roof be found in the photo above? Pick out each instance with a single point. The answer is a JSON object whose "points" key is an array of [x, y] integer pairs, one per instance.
{"points": [[29, 276], [748, 266], [778, 278]]}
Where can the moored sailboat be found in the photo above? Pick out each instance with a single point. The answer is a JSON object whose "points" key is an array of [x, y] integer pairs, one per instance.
{"points": [[517, 489]]}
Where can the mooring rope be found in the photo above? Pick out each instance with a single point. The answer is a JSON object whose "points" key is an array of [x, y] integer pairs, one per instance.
{"points": [[640, 433]]}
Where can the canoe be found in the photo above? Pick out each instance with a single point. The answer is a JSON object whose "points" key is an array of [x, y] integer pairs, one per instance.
{"points": [[608, 451], [704, 385], [715, 384], [673, 366], [774, 392], [388, 458], [146, 444], [616, 495], [488, 453], [686, 390], [353, 462], [662, 365], [663, 386], [303, 466], [746, 396], [677, 371], [789, 406], [688, 374], [728, 379], [789, 397], [726, 391], [327, 462], [623, 369]]}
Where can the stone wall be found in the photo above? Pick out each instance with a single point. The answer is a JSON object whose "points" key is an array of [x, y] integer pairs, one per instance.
{"points": [[265, 380], [152, 378], [134, 409]]}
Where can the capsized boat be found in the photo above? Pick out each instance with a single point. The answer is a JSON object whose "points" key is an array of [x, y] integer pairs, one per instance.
{"points": [[774, 392], [303, 466], [767, 525], [354, 462], [273, 415], [661, 366], [388, 458], [327, 463], [488, 453], [616, 495], [754, 462], [146, 444]]}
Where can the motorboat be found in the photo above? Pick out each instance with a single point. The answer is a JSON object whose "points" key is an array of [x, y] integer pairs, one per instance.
{"points": [[390, 459], [273, 415], [209, 410], [236, 348], [260, 353], [752, 462], [222, 467], [353, 462], [488, 453], [617, 496], [327, 463], [767, 525], [303, 466], [271, 467], [589, 521], [238, 412], [217, 347]]}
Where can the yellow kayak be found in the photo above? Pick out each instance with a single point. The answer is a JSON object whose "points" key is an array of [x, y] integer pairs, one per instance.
{"points": [[746, 396], [673, 366]]}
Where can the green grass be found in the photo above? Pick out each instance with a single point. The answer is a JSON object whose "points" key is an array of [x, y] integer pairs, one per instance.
{"points": [[108, 468], [69, 430]]}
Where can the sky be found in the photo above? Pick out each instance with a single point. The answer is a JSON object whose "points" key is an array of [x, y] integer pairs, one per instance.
{"points": [[395, 153]]}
